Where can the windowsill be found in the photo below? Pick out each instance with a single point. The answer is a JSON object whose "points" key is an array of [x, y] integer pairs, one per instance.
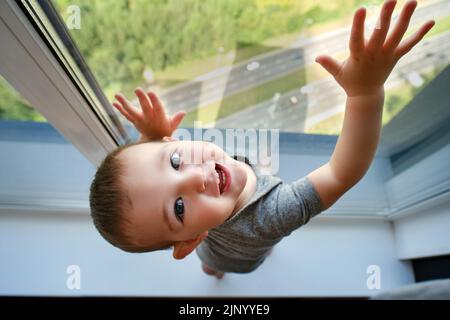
{"points": [[64, 191], [61, 175]]}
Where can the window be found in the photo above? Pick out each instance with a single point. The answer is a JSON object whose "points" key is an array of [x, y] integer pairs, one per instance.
{"points": [[243, 64], [55, 82], [254, 68]]}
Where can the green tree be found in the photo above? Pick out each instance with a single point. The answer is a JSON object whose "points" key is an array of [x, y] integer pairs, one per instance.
{"points": [[13, 107]]}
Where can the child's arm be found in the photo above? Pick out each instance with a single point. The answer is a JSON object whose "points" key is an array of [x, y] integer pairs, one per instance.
{"points": [[152, 122], [362, 76]]}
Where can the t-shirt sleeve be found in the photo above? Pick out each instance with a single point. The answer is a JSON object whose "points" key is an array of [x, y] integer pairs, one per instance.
{"points": [[292, 205]]}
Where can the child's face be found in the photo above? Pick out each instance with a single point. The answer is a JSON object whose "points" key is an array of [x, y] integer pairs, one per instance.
{"points": [[174, 190]]}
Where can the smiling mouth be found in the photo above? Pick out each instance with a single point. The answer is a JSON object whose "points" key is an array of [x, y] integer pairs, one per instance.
{"points": [[223, 177]]}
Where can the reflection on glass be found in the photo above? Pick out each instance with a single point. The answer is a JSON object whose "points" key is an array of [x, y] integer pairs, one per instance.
{"points": [[245, 64]]}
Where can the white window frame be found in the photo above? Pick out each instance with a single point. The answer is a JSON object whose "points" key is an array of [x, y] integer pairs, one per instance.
{"points": [[31, 68]]}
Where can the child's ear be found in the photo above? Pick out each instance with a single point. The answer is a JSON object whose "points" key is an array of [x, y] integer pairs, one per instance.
{"points": [[182, 248]]}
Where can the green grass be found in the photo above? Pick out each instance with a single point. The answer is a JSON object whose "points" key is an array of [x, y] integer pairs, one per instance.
{"points": [[331, 18], [14, 107], [245, 99], [442, 25], [332, 125], [255, 95], [191, 69], [395, 100], [263, 92]]}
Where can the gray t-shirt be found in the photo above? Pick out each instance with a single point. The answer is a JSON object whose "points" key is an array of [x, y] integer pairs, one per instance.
{"points": [[242, 242]]}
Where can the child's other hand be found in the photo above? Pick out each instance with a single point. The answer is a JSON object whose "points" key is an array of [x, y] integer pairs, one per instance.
{"points": [[152, 122], [370, 62]]}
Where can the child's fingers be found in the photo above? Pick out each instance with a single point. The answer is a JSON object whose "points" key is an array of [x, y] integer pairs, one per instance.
{"points": [[330, 64], [157, 105], [357, 33], [382, 27], [145, 102], [176, 119], [411, 41], [127, 106], [123, 112], [401, 25]]}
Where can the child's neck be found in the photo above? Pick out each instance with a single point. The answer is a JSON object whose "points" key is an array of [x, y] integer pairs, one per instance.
{"points": [[249, 188]]}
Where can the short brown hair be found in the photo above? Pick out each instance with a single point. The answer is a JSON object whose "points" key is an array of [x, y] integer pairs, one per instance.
{"points": [[109, 201]]}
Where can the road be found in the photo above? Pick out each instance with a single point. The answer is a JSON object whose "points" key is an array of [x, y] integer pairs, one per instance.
{"points": [[321, 99], [223, 82]]}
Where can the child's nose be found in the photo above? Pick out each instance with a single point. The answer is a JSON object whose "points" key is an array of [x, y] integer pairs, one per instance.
{"points": [[195, 178]]}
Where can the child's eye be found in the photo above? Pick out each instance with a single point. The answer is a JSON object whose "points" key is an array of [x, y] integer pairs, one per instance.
{"points": [[179, 209], [175, 160]]}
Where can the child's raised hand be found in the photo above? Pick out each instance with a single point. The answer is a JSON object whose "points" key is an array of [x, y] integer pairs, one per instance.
{"points": [[370, 62], [152, 122]]}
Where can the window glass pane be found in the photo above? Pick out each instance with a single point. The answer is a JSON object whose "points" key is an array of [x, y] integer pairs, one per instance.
{"points": [[232, 63], [36, 158], [14, 107]]}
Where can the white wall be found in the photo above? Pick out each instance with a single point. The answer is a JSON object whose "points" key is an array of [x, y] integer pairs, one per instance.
{"points": [[367, 198], [424, 232], [422, 225]]}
